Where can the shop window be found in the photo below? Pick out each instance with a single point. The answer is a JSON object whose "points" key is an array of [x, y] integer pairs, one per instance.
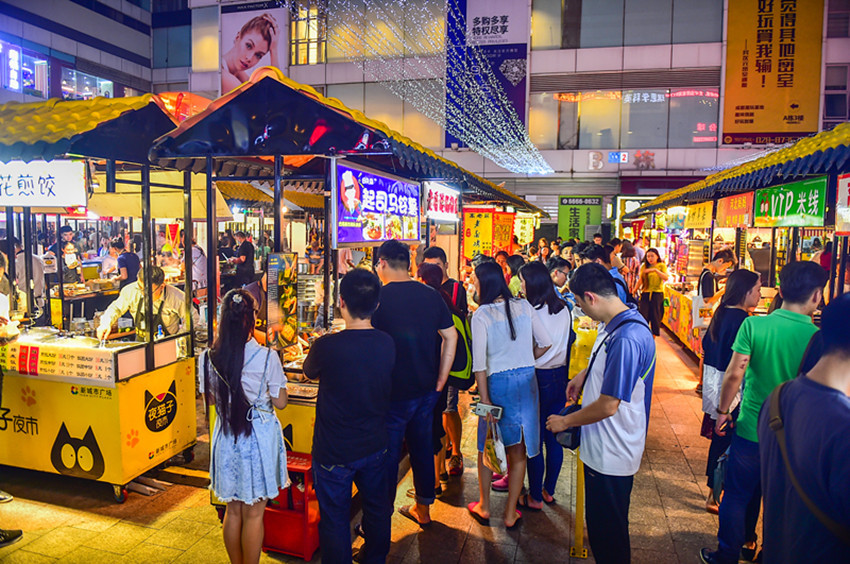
{"points": [[644, 121], [567, 124], [308, 33], [838, 18], [546, 24], [697, 21], [543, 120], [693, 117], [835, 99], [23, 71], [599, 119], [78, 85], [602, 23]]}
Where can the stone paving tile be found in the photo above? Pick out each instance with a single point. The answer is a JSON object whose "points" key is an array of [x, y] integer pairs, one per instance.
{"points": [[478, 550], [25, 557], [120, 538], [150, 554], [28, 537], [87, 555], [180, 534], [59, 542]]}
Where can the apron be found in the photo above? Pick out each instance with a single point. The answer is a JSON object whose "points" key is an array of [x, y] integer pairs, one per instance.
{"points": [[139, 319]]}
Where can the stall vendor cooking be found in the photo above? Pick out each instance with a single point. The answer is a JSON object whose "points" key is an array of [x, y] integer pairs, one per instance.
{"points": [[169, 307]]}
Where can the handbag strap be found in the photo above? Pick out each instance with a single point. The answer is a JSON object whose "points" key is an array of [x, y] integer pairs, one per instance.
{"points": [[454, 293], [602, 344], [778, 427]]}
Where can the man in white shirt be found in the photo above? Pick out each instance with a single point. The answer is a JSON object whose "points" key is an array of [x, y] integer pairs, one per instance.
{"points": [[615, 410], [169, 307], [37, 273]]}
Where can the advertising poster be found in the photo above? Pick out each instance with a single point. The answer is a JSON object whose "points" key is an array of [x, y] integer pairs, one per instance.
{"points": [[477, 233], [735, 211], [574, 212], [773, 63], [503, 232], [500, 29], [253, 35], [372, 208], [282, 301], [798, 204], [842, 206], [699, 216]]}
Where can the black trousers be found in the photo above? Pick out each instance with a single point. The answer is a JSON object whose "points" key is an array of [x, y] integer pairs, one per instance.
{"points": [[607, 514], [652, 309]]}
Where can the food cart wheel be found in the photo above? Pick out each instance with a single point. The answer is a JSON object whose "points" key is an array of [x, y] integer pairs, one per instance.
{"points": [[119, 493], [189, 455]]}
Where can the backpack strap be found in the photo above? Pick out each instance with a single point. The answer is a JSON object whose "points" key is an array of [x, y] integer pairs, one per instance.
{"points": [[778, 427], [454, 293], [602, 344]]}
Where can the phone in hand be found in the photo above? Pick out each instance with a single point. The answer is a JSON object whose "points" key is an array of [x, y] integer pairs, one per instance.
{"points": [[484, 409]]}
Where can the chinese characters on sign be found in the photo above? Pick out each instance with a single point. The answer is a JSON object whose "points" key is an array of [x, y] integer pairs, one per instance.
{"points": [[699, 216], [575, 212], [735, 211], [842, 206], [477, 233], [503, 232], [372, 208], [772, 97], [492, 25], [799, 204], [40, 183], [441, 202], [524, 228]]}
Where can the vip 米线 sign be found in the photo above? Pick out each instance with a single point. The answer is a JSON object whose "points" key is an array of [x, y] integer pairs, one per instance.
{"points": [[798, 204], [43, 184]]}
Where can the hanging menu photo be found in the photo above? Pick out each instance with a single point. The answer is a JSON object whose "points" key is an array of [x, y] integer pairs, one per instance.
{"points": [[372, 208]]}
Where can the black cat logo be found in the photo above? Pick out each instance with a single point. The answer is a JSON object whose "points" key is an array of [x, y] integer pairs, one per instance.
{"points": [[287, 437], [80, 458], [160, 410]]}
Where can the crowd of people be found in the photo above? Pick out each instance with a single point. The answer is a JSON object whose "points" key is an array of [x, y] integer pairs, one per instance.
{"points": [[506, 328]]}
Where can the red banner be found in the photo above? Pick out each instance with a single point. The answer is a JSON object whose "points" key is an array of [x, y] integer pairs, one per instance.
{"points": [[735, 211], [503, 232]]}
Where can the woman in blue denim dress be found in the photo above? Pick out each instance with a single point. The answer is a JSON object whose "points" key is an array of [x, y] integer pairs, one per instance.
{"points": [[245, 382], [506, 338]]}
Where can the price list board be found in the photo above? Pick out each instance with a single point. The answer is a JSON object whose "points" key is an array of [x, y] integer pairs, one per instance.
{"points": [[54, 360]]}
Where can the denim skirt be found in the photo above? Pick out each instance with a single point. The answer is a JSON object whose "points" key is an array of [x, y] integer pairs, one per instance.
{"points": [[516, 392]]}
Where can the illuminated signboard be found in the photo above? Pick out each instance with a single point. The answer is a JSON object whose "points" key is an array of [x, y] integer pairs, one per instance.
{"points": [[798, 204], [43, 184], [371, 208], [441, 202]]}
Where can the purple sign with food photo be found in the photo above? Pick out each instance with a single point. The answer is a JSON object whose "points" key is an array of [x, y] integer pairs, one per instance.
{"points": [[372, 208]]}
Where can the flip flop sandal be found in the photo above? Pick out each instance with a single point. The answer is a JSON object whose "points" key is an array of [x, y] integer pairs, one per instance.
{"points": [[516, 523], [482, 520], [405, 511], [522, 501]]}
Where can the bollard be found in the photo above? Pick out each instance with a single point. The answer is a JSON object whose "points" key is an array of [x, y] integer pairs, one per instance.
{"points": [[577, 550]]}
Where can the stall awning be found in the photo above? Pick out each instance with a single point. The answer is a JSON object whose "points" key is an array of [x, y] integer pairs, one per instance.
{"points": [[108, 128], [244, 192], [824, 153], [271, 114]]}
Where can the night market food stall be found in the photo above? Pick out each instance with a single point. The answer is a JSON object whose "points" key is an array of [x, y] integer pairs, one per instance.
{"points": [[768, 211], [106, 411]]}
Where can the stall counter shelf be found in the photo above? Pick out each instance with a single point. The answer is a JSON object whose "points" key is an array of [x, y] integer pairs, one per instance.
{"points": [[73, 408], [678, 317]]}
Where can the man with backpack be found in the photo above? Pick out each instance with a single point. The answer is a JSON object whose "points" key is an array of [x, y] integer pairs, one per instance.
{"points": [[615, 410]]}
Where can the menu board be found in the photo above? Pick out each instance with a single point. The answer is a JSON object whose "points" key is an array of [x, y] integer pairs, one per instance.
{"points": [[371, 208], [55, 360], [699, 216], [282, 300], [503, 232], [477, 233]]}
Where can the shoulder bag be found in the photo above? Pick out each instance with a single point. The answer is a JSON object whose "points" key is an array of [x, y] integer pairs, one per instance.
{"points": [[571, 438]]}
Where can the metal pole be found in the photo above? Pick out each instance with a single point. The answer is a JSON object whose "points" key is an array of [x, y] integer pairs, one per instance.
{"points": [[771, 277], [110, 176], [795, 235], [60, 274], [147, 263], [212, 256], [278, 202], [187, 257], [842, 266], [836, 241], [27, 249], [10, 255], [330, 172]]}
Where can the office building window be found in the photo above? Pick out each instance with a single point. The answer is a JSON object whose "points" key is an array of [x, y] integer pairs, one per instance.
{"points": [[838, 18], [308, 31], [172, 47], [697, 21], [599, 119], [78, 85], [543, 120], [693, 117], [835, 99], [23, 70], [644, 121], [648, 22]]}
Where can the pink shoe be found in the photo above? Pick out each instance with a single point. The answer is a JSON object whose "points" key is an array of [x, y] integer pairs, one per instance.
{"points": [[496, 476], [500, 485]]}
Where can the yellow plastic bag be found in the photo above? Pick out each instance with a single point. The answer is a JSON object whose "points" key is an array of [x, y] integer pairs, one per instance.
{"points": [[494, 448]]}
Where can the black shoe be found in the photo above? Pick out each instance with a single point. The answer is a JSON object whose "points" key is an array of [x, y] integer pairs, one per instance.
{"points": [[748, 554], [10, 536], [358, 530], [357, 554], [5, 497], [706, 556]]}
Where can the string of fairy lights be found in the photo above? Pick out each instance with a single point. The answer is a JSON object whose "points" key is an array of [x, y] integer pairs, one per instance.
{"points": [[402, 44]]}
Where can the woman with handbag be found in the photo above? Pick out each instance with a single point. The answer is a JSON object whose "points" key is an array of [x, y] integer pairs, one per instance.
{"points": [[551, 373], [743, 291], [507, 337], [247, 456]]}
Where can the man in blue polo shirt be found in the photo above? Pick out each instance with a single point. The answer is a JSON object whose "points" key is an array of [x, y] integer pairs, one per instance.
{"points": [[615, 413]]}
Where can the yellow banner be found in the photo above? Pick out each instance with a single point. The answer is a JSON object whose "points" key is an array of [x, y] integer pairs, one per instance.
{"points": [[773, 62], [699, 216], [477, 233]]}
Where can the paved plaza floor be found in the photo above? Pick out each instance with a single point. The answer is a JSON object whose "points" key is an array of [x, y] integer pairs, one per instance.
{"points": [[70, 520]]}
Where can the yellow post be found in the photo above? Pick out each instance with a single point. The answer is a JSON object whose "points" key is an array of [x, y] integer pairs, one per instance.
{"points": [[578, 550]]}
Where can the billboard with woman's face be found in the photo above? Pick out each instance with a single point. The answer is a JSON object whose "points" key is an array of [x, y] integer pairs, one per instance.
{"points": [[253, 35]]}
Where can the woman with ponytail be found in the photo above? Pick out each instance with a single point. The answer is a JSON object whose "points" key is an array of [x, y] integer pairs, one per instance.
{"points": [[245, 382], [507, 336]]}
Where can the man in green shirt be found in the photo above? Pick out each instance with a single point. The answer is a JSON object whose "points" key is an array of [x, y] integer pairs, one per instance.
{"points": [[767, 351]]}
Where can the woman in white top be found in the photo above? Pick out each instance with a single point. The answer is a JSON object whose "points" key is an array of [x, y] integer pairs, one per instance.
{"points": [[551, 373], [507, 336], [247, 455]]}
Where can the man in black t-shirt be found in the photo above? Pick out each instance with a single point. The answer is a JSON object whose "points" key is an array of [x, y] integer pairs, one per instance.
{"points": [[243, 258], [417, 318], [350, 436], [722, 261]]}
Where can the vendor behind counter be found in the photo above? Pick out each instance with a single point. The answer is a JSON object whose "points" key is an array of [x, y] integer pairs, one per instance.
{"points": [[169, 308]]}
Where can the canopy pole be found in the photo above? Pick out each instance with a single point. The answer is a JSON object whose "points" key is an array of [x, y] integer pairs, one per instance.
{"points": [[278, 202], [188, 247], [330, 179], [10, 254], [213, 282], [771, 277], [60, 261], [795, 235], [833, 291], [842, 266], [110, 176], [27, 248], [147, 263]]}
